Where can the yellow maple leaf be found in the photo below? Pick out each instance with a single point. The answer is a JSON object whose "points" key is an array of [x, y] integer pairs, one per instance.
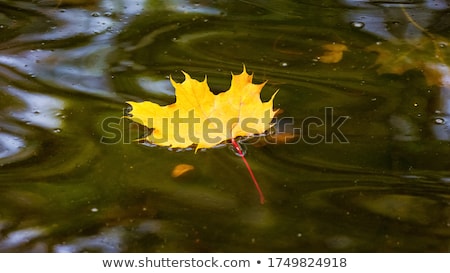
{"points": [[201, 118]]}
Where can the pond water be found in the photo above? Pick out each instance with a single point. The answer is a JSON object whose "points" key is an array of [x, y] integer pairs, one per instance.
{"points": [[374, 177]]}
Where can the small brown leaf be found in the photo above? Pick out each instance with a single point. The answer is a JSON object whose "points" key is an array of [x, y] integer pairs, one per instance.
{"points": [[333, 53], [181, 170]]}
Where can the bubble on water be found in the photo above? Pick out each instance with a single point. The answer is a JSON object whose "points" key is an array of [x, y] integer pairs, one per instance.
{"points": [[60, 115], [57, 130], [95, 14], [439, 121], [357, 24], [284, 64], [107, 13]]}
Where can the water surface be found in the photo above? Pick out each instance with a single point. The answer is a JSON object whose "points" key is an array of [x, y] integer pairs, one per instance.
{"points": [[67, 66]]}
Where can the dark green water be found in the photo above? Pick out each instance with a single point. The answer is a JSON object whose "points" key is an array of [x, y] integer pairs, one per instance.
{"points": [[67, 67]]}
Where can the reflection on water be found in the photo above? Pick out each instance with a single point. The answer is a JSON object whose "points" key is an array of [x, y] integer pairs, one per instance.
{"points": [[63, 75], [410, 45], [391, 20]]}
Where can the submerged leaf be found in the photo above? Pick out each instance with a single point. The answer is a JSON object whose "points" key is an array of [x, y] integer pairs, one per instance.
{"points": [[429, 55], [333, 53]]}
